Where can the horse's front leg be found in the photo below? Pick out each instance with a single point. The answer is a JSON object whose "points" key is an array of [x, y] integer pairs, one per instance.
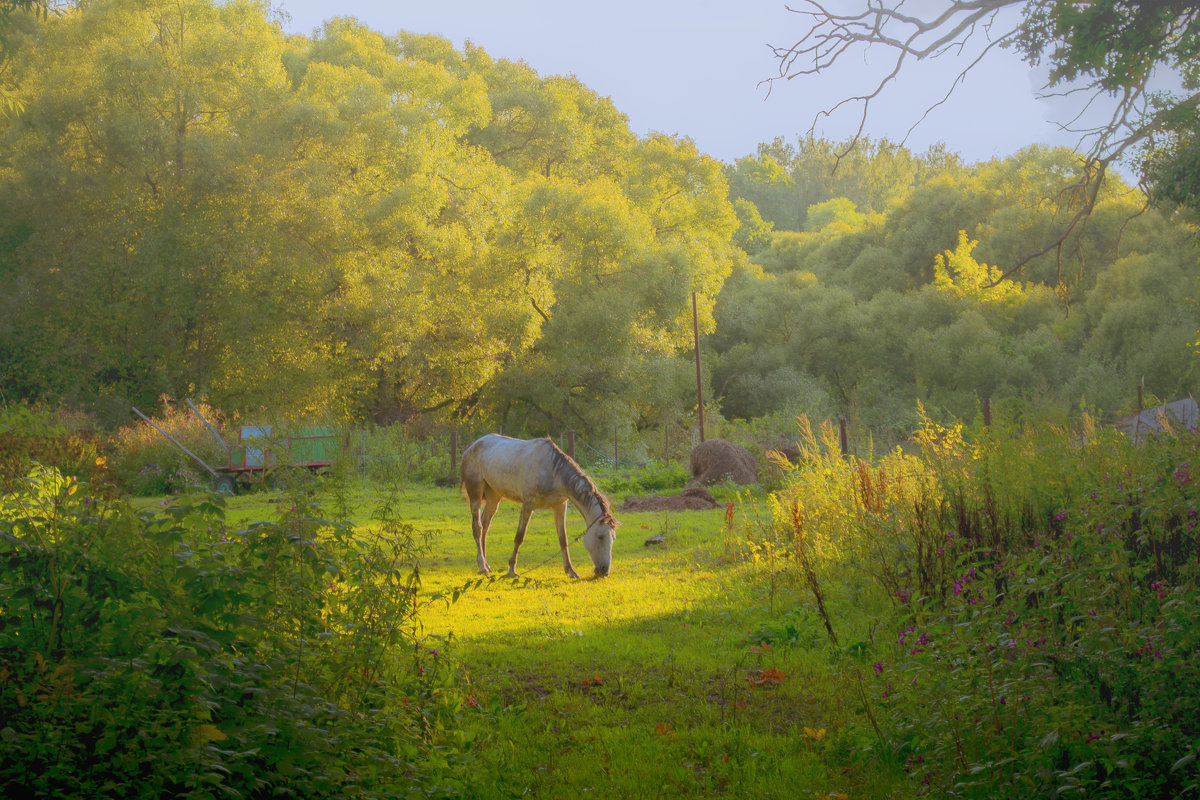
{"points": [[560, 522], [526, 513]]}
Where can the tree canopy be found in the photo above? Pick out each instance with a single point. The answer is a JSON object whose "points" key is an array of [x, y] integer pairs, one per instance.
{"points": [[347, 221], [194, 203], [1130, 67]]}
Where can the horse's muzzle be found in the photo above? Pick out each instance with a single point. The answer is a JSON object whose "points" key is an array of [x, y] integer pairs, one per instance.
{"points": [[601, 572]]}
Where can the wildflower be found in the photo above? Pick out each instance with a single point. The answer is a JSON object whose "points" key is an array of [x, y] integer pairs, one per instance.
{"points": [[904, 596], [878, 667], [1003, 700], [1182, 475], [1060, 516], [924, 639]]}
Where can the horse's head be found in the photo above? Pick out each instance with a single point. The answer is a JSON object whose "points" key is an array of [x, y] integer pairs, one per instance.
{"points": [[598, 541]]}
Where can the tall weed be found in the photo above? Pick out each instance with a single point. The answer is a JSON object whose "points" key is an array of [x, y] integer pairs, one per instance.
{"points": [[164, 653], [1043, 584], [146, 464]]}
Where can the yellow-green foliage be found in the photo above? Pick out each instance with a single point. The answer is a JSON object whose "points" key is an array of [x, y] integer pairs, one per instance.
{"points": [[1033, 590], [145, 463]]}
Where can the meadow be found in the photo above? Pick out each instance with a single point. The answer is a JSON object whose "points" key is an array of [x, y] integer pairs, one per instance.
{"points": [[648, 683], [688, 672], [986, 613]]}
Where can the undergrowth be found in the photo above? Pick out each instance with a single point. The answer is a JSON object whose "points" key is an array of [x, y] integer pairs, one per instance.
{"points": [[164, 653], [1037, 594]]}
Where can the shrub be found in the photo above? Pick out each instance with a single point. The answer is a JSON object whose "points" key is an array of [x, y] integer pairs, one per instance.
{"points": [[1043, 585], [155, 654], [146, 464], [55, 437]]}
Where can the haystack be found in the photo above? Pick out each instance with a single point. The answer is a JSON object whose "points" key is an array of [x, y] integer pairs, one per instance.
{"points": [[716, 460], [694, 499]]}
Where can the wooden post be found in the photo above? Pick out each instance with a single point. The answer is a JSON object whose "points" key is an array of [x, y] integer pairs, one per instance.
{"points": [[571, 444], [1139, 388], [842, 438], [987, 412], [667, 444], [699, 385], [453, 452], [616, 460]]}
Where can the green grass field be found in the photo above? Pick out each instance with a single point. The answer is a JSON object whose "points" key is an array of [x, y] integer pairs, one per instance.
{"points": [[649, 683]]}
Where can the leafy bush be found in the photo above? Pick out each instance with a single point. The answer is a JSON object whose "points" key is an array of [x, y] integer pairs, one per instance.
{"points": [[55, 437], [155, 654], [655, 477], [394, 453], [146, 464], [1042, 584]]}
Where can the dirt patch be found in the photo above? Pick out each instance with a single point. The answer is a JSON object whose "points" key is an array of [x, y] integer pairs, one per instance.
{"points": [[693, 499], [717, 460]]}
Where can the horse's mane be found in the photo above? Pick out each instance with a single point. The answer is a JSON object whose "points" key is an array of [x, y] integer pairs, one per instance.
{"points": [[573, 476]]}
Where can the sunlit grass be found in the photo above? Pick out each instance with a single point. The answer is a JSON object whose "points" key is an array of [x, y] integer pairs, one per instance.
{"points": [[648, 683], [641, 684]]}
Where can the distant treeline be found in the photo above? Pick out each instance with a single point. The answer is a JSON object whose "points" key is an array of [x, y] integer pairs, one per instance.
{"points": [[351, 225], [884, 281]]}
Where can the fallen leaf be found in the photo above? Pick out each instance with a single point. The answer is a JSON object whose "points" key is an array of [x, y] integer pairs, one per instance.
{"points": [[766, 677]]}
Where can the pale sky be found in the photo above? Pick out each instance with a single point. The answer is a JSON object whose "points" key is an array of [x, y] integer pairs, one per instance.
{"points": [[694, 68]]}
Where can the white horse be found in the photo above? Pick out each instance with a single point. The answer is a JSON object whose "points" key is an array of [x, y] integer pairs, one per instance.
{"points": [[536, 474]]}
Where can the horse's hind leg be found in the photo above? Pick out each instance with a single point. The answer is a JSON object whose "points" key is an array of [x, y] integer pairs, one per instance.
{"points": [[481, 517], [526, 513], [490, 503]]}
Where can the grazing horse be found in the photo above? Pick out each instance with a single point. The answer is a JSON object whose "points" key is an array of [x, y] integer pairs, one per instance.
{"points": [[536, 474]]}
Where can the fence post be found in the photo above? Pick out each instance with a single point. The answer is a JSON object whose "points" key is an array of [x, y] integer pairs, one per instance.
{"points": [[616, 460], [667, 445], [571, 444], [453, 452], [842, 438], [987, 412]]}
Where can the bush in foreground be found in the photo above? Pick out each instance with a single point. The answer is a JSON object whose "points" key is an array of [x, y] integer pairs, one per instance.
{"points": [[164, 654]]}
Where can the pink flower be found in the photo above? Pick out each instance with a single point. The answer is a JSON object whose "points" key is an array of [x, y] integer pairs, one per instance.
{"points": [[878, 667]]}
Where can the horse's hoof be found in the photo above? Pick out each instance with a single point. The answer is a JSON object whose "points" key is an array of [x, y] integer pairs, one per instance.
{"points": [[573, 574], [512, 574]]}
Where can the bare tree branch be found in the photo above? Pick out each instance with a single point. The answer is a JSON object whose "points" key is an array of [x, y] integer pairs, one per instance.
{"points": [[973, 29]]}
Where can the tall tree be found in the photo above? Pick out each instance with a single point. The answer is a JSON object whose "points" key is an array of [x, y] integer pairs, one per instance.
{"points": [[1101, 49]]}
